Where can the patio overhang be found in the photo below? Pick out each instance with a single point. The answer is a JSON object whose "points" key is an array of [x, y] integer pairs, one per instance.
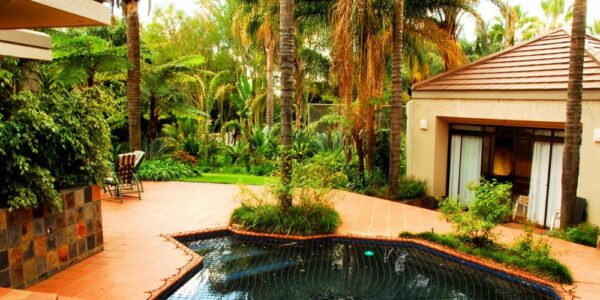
{"points": [[18, 15], [25, 44], [24, 14]]}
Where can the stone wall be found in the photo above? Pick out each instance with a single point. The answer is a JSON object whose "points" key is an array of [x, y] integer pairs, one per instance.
{"points": [[37, 243]]}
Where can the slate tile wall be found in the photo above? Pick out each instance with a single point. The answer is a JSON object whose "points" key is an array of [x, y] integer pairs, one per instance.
{"points": [[37, 243]]}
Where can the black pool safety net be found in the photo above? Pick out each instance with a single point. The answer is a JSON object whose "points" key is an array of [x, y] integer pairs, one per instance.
{"points": [[244, 267]]}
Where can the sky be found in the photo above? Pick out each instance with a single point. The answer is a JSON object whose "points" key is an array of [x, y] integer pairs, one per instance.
{"points": [[487, 10]]}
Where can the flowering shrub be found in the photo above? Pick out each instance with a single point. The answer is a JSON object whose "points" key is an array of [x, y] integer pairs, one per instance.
{"points": [[185, 158]]}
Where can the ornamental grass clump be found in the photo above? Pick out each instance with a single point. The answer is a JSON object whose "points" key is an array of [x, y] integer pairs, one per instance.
{"points": [[312, 211], [584, 233]]}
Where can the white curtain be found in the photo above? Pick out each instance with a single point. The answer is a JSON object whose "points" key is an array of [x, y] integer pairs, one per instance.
{"points": [[470, 166], [453, 181], [555, 188], [465, 166], [538, 186]]}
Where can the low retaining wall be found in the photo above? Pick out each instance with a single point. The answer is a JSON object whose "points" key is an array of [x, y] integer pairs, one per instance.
{"points": [[37, 243]]}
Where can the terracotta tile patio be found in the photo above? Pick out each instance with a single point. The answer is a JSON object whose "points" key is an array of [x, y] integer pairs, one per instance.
{"points": [[136, 258]]}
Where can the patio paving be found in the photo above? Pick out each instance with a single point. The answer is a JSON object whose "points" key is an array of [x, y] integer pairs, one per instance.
{"points": [[136, 258]]}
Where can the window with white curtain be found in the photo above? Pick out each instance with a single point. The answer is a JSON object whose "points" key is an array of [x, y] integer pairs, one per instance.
{"points": [[529, 158], [545, 187], [465, 166]]}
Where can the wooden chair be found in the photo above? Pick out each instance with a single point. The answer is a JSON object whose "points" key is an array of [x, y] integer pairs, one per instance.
{"points": [[139, 157], [522, 201], [555, 217], [124, 180]]}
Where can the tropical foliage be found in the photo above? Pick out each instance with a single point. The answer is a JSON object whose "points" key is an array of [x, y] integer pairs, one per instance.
{"points": [[167, 170], [527, 253], [49, 141], [233, 88]]}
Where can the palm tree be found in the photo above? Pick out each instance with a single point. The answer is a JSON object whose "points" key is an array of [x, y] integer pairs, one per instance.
{"points": [[397, 111], [257, 19], [343, 61], [570, 171], [449, 20], [134, 108], [159, 82], [286, 39], [361, 39], [521, 27], [594, 29], [554, 11]]}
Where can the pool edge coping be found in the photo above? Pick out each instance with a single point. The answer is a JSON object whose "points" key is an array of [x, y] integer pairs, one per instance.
{"points": [[196, 260]]}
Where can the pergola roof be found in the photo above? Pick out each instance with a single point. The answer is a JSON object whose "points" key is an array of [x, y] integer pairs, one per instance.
{"points": [[538, 64]]}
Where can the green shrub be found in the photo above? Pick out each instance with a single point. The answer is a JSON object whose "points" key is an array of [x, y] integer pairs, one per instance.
{"points": [[527, 253], [312, 211], [411, 187], [167, 170], [298, 220], [370, 183], [182, 135], [490, 207], [50, 141], [317, 175], [262, 170], [584, 233]]}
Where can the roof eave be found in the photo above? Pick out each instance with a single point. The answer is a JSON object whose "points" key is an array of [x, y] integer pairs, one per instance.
{"points": [[30, 14], [27, 44]]}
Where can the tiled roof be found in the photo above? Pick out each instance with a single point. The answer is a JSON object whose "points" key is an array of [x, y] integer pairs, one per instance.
{"points": [[538, 64]]}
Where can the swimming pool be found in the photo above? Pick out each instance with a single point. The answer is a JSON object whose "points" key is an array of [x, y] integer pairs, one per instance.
{"points": [[246, 267]]}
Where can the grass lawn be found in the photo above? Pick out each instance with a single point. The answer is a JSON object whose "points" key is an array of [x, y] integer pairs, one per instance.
{"points": [[231, 179]]}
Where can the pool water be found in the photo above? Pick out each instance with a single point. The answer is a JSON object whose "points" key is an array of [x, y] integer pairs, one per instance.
{"points": [[240, 267]]}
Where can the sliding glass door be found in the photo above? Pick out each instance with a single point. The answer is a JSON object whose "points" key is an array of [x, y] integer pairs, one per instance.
{"points": [[545, 185], [465, 166], [529, 158]]}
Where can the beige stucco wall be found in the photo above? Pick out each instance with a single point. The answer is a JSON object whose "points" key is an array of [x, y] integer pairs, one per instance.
{"points": [[427, 149]]}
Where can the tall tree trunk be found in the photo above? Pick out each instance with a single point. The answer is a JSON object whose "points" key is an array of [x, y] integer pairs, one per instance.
{"points": [[344, 65], [371, 139], [397, 108], [286, 31], [90, 80], [573, 126], [153, 122], [133, 75], [366, 92], [358, 143], [299, 95], [270, 84]]}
